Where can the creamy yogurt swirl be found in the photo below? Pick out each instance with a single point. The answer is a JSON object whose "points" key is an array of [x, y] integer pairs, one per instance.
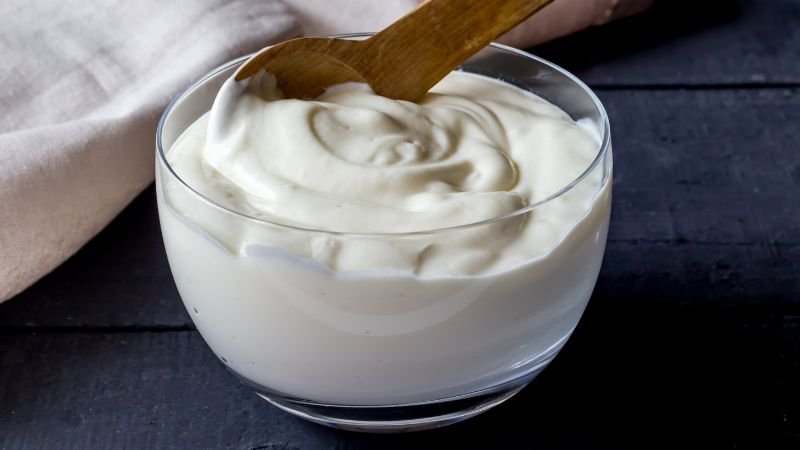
{"points": [[472, 149]]}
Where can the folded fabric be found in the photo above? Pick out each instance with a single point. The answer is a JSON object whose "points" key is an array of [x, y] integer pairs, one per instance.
{"points": [[82, 87], [84, 83]]}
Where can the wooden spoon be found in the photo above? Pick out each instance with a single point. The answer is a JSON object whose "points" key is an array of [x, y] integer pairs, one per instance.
{"points": [[404, 60]]}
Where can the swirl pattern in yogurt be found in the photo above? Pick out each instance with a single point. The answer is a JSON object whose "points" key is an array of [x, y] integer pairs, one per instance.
{"points": [[388, 313], [473, 149]]}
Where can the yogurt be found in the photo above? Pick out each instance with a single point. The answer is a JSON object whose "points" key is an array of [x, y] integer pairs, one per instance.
{"points": [[358, 250]]}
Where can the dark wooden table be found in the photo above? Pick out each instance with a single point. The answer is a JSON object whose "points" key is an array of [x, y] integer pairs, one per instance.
{"points": [[691, 339]]}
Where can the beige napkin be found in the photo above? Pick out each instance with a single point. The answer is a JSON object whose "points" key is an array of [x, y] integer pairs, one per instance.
{"points": [[82, 85]]}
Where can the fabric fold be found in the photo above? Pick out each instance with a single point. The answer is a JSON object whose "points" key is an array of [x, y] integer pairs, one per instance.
{"points": [[83, 86]]}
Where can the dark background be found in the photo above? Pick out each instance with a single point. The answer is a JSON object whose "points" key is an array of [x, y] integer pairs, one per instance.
{"points": [[692, 338]]}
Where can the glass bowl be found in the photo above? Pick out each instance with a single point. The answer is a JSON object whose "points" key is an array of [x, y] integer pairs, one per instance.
{"points": [[380, 350]]}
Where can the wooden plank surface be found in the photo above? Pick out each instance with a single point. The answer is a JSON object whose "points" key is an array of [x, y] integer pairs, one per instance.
{"points": [[119, 279], [636, 374], [705, 167], [692, 337], [689, 42]]}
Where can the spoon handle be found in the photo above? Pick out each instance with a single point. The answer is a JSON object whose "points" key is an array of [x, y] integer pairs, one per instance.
{"points": [[435, 38]]}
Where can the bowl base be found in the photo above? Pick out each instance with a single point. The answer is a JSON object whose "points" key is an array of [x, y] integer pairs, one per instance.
{"points": [[331, 415], [402, 418]]}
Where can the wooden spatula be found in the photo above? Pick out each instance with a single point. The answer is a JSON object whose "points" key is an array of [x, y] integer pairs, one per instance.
{"points": [[404, 60]]}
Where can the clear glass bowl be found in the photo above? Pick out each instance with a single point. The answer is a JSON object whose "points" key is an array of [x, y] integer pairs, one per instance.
{"points": [[377, 350]]}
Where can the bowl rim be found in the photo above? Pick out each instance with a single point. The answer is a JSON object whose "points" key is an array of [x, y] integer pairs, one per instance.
{"points": [[605, 145]]}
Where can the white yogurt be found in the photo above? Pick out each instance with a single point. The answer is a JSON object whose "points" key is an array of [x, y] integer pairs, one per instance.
{"points": [[382, 317]]}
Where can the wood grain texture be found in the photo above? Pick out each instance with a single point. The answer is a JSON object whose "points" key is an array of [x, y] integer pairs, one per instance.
{"points": [[638, 373], [702, 167], [689, 42], [706, 166], [402, 61]]}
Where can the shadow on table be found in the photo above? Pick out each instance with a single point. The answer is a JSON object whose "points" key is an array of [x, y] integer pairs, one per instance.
{"points": [[666, 21], [643, 373]]}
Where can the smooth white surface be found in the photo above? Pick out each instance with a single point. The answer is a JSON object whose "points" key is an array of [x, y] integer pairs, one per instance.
{"points": [[380, 338]]}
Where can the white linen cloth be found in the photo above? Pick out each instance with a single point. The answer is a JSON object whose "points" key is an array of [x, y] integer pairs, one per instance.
{"points": [[82, 85]]}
